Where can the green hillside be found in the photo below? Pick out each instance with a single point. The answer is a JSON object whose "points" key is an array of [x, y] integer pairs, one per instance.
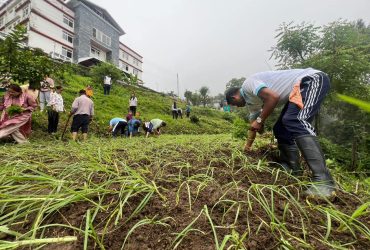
{"points": [[150, 105]]}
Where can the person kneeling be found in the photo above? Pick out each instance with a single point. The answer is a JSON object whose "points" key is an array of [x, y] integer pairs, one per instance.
{"points": [[154, 125], [117, 126]]}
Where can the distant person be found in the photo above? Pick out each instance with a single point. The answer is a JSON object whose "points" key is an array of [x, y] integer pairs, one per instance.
{"points": [[174, 111], [154, 126], [56, 106], [227, 108], [133, 103], [83, 112], [17, 124], [179, 112], [188, 110], [133, 126], [107, 84], [89, 91], [46, 85], [129, 116], [117, 126]]}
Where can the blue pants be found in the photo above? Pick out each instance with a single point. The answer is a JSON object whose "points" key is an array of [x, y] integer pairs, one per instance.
{"points": [[293, 121], [119, 128]]}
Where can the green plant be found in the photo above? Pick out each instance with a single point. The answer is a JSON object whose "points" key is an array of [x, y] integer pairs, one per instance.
{"points": [[239, 128], [194, 119], [14, 110]]}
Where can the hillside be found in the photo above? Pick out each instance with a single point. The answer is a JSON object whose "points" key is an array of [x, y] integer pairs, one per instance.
{"points": [[170, 192], [151, 105]]}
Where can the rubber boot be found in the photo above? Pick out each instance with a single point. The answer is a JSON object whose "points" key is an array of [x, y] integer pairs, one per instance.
{"points": [[289, 159], [322, 182]]}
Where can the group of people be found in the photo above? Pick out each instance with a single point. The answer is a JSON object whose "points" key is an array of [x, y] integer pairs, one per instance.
{"points": [[299, 91], [19, 102], [177, 111]]}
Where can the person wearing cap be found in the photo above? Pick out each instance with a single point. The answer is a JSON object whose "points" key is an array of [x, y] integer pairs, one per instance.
{"points": [[300, 92]]}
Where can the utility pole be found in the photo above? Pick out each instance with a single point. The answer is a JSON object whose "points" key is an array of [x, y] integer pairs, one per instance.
{"points": [[178, 90]]}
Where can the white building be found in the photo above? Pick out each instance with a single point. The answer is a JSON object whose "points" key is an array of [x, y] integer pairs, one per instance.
{"points": [[51, 27]]}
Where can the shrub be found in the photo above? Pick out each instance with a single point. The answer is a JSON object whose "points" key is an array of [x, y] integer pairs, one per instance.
{"points": [[194, 119], [239, 129], [228, 117]]}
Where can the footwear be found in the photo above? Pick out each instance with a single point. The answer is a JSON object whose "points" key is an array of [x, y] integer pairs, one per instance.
{"points": [[323, 183], [289, 159]]}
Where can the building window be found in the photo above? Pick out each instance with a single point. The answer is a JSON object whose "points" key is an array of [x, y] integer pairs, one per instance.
{"points": [[66, 52], [101, 37], [95, 51], [68, 37], [26, 11], [136, 72], [1, 21], [68, 21]]}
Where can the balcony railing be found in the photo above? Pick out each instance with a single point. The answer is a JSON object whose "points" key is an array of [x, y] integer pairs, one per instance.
{"points": [[59, 56]]}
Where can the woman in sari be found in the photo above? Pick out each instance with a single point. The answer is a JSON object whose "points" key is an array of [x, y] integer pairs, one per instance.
{"points": [[17, 125]]}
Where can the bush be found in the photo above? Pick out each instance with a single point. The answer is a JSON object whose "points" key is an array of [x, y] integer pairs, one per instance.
{"points": [[228, 117], [239, 129], [194, 119]]}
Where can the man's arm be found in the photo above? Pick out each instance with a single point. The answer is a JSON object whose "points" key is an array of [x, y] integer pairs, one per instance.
{"points": [[270, 99]]}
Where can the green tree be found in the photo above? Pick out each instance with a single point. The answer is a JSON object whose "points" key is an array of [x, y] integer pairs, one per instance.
{"points": [[235, 82], [23, 64], [204, 97], [130, 79], [188, 95], [99, 71]]}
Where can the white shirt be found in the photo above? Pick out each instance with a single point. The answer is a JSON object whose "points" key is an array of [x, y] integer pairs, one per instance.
{"points": [[107, 80], [56, 100], [133, 102], [280, 81]]}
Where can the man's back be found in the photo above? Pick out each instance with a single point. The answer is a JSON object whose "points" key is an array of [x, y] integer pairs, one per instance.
{"points": [[83, 106]]}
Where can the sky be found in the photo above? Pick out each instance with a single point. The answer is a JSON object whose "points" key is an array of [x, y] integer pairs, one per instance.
{"points": [[209, 42]]}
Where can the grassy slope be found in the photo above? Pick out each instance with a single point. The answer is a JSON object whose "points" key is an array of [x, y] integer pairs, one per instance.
{"points": [[151, 105], [159, 187]]}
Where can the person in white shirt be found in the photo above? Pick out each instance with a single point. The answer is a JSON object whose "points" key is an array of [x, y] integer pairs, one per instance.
{"points": [[56, 105], [45, 89], [107, 84], [133, 104], [300, 92]]}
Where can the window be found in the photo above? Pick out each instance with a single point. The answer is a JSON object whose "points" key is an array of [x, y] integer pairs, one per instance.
{"points": [[25, 11], [1, 21], [66, 52], [101, 37], [95, 51], [136, 62], [136, 72], [68, 21], [68, 37]]}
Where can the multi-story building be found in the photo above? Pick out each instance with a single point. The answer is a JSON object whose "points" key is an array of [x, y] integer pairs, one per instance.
{"points": [[77, 31]]}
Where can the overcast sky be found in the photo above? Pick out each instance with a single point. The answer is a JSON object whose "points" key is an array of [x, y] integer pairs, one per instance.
{"points": [[209, 42]]}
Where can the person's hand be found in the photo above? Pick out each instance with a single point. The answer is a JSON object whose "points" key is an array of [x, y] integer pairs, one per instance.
{"points": [[255, 126]]}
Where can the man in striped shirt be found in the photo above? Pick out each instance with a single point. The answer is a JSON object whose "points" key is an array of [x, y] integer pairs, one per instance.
{"points": [[300, 92]]}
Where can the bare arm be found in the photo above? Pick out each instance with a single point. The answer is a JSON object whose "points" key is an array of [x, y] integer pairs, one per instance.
{"points": [[270, 100]]}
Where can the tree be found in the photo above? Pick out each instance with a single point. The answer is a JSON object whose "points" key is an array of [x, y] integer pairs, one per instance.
{"points": [[235, 82], [204, 98], [99, 71], [24, 64], [295, 43], [188, 94], [195, 99]]}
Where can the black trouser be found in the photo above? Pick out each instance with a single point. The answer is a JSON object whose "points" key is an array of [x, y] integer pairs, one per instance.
{"points": [[174, 114], [187, 114], [53, 118], [133, 110], [119, 128], [179, 113], [106, 89]]}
